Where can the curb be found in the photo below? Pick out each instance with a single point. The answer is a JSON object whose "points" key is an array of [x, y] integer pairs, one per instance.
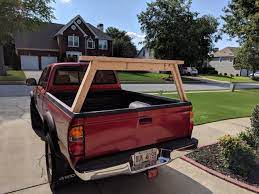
{"points": [[12, 83], [219, 175], [166, 82]]}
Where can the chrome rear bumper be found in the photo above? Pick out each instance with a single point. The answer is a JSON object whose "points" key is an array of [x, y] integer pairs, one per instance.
{"points": [[165, 157]]}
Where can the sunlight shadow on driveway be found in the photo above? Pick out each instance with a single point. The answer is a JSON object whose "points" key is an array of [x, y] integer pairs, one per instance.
{"points": [[169, 181]]}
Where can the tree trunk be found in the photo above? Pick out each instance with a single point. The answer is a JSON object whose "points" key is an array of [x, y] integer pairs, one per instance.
{"points": [[2, 66]]}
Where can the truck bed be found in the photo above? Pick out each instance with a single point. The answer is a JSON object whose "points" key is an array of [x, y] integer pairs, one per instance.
{"points": [[114, 100], [120, 120]]}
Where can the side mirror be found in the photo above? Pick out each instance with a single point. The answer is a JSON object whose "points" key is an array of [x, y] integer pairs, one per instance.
{"points": [[31, 82]]}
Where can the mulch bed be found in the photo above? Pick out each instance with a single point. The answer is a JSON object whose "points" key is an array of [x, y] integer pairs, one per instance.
{"points": [[209, 157]]}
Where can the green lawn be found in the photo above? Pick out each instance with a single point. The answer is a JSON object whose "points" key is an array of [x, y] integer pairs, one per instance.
{"points": [[215, 106], [142, 77], [229, 79], [146, 77], [13, 75]]}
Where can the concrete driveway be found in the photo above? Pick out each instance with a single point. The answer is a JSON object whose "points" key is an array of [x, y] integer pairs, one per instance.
{"points": [[33, 74], [22, 162]]}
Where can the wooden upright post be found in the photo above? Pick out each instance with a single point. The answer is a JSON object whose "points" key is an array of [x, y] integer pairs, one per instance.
{"points": [[84, 88], [178, 82], [124, 64]]}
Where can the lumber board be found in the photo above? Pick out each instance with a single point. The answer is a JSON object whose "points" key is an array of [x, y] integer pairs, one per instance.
{"points": [[124, 64]]}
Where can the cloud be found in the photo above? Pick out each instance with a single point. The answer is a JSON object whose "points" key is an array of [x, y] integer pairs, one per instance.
{"points": [[135, 35], [136, 38], [65, 1]]}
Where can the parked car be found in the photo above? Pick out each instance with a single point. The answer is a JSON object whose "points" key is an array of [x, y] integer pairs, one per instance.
{"points": [[254, 75], [115, 132], [190, 71]]}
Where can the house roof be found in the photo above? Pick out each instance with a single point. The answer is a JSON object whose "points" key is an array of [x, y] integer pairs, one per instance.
{"points": [[97, 33], [226, 52], [34, 39], [47, 32]]}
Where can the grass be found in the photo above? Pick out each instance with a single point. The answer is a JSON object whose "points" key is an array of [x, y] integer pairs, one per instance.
{"points": [[142, 77], [230, 79], [147, 77], [13, 75], [216, 106]]}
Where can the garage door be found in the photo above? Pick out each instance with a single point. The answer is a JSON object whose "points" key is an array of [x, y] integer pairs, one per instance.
{"points": [[47, 60], [29, 62]]}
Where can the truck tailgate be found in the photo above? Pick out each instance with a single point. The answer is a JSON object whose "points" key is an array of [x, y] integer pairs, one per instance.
{"points": [[107, 134]]}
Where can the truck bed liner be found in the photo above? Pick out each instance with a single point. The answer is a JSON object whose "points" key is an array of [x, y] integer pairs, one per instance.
{"points": [[113, 100]]}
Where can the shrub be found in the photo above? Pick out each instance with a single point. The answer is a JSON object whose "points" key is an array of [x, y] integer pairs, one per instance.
{"points": [[231, 75], [248, 137], [237, 74], [255, 120], [206, 70], [220, 74], [225, 74], [237, 155]]}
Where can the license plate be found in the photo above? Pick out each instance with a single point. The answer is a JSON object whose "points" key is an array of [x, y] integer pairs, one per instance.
{"points": [[146, 156]]}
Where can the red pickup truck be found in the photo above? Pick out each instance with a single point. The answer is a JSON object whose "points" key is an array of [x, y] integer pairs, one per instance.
{"points": [[116, 131]]}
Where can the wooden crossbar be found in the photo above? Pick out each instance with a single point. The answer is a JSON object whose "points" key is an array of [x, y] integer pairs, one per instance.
{"points": [[124, 64]]}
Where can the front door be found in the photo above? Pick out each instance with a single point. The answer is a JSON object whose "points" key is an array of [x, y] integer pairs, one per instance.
{"points": [[73, 56]]}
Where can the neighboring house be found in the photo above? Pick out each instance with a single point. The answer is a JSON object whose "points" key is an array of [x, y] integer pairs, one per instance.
{"points": [[57, 42], [223, 61], [146, 53]]}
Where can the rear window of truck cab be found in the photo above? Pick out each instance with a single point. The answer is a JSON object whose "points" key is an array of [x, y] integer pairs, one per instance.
{"points": [[74, 76]]}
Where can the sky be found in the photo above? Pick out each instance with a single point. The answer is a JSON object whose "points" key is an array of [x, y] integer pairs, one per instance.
{"points": [[122, 14]]}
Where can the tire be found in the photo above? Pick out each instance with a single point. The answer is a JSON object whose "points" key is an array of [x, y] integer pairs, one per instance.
{"points": [[58, 170], [51, 167], [36, 121]]}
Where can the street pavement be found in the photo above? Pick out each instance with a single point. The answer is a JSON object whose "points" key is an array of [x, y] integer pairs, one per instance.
{"points": [[22, 161], [23, 90]]}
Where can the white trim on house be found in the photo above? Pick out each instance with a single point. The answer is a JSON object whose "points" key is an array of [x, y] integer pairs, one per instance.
{"points": [[73, 21], [102, 45], [85, 35], [93, 43], [35, 49], [73, 41]]}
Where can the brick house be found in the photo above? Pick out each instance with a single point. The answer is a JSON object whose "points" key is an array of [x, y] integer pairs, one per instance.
{"points": [[56, 42]]}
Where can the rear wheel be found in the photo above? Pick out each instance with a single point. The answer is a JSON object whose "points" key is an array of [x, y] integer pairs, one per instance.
{"points": [[58, 170], [51, 167]]}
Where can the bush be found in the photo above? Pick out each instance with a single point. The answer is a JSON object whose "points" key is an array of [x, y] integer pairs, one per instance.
{"points": [[255, 120], [248, 137], [225, 74], [237, 75], [237, 155], [220, 74], [206, 70], [231, 75]]}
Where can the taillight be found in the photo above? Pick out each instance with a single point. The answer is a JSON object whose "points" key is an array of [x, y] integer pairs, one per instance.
{"points": [[191, 121], [76, 141]]}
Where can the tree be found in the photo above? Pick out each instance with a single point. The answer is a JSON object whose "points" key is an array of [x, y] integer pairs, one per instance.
{"points": [[247, 57], [122, 45], [175, 32], [18, 15], [242, 21]]}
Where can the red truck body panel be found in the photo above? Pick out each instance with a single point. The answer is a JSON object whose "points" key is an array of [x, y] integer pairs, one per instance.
{"points": [[114, 133]]}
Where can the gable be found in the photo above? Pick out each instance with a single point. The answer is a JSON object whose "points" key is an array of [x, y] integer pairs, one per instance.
{"points": [[85, 28]]}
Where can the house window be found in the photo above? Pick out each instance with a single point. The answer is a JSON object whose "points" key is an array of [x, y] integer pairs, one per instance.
{"points": [[90, 44], [73, 41], [103, 44]]}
